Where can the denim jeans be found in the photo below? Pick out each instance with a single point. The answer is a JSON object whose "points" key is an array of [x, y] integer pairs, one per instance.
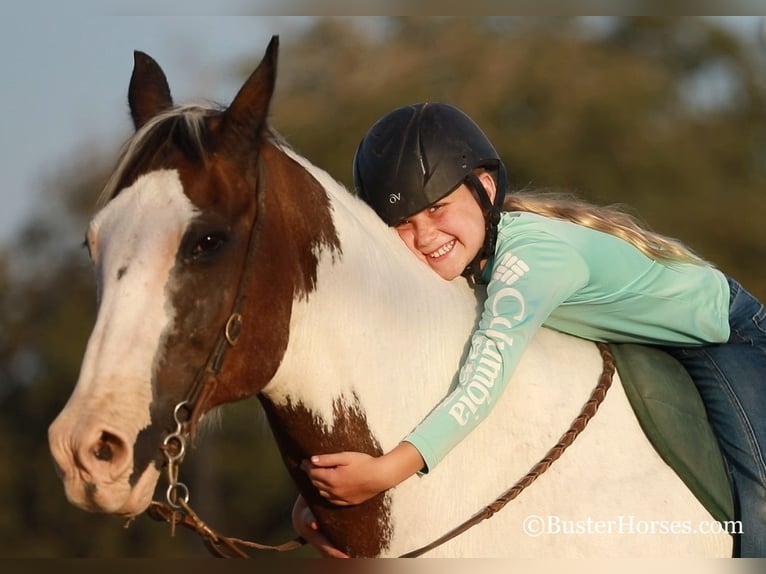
{"points": [[731, 379]]}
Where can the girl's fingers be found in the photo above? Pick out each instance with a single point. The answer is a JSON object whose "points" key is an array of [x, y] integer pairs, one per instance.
{"points": [[329, 460], [330, 498], [319, 483]]}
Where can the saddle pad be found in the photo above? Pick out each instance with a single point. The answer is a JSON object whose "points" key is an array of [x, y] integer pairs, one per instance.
{"points": [[672, 415]]}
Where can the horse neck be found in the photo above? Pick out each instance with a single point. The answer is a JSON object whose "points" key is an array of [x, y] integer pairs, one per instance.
{"points": [[381, 333]]}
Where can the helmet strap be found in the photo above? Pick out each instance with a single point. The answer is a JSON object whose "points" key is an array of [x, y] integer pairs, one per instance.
{"points": [[491, 212]]}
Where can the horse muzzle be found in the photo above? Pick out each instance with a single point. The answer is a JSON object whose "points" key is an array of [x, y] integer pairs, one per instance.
{"points": [[95, 463]]}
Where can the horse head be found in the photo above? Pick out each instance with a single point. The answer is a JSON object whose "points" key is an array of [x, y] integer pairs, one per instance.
{"points": [[182, 232]]}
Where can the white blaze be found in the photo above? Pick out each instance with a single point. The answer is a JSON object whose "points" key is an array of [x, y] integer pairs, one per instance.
{"points": [[133, 240]]}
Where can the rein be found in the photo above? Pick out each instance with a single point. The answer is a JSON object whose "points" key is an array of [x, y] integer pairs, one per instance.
{"points": [[176, 511], [578, 425]]}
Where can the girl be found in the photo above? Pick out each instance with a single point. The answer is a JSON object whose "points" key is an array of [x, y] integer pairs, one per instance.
{"points": [[430, 172]]}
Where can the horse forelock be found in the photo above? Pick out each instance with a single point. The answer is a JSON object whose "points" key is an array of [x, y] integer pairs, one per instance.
{"points": [[185, 127]]}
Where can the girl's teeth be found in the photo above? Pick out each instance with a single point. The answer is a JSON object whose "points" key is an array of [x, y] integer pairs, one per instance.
{"points": [[443, 250]]}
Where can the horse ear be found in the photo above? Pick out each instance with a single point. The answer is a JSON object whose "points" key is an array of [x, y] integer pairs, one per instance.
{"points": [[243, 121], [148, 93]]}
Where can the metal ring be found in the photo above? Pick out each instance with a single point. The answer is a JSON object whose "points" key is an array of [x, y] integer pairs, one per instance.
{"points": [[177, 411], [233, 328], [172, 494], [180, 443]]}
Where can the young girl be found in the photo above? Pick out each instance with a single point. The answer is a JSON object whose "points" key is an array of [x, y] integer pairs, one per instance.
{"points": [[429, 171]]}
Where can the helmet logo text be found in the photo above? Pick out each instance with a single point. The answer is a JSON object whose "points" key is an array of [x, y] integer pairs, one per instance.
{"points": [[394, 197]]}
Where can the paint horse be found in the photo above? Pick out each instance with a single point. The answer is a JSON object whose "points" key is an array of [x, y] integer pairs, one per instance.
{"points": [[228, 266]]}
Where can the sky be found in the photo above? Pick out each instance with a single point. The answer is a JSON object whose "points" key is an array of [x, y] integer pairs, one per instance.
{"points": [[64, 79], [64, 71]]}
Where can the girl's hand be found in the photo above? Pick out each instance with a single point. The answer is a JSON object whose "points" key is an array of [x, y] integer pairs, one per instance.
{"points": [[352, 477], [345, 478], [306, 525]]}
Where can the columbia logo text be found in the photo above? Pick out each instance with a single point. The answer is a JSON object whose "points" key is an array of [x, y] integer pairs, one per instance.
{"points": [[508, 308]]}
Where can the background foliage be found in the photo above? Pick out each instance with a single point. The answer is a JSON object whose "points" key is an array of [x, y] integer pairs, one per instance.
{"points": [[665, 115]]}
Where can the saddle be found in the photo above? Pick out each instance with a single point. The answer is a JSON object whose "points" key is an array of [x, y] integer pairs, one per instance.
{"points": [[672, 415]]}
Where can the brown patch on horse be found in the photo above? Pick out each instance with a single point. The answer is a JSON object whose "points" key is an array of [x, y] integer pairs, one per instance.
{"points": [[268, 266], [361, 530], [276, 228], [295, 229]]}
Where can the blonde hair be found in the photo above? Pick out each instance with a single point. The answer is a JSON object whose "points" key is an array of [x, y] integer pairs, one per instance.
{"points": [[609, 219]]}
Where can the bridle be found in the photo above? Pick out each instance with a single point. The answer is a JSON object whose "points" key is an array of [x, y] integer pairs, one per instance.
{"points": [[186, 415], [188, 412]]}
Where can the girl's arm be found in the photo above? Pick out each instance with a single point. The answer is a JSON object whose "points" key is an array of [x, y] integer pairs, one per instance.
{"points": [[352, 477], [523, 291]]}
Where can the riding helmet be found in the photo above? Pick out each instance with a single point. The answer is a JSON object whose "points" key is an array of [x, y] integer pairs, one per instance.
{"points": [[415, 155]]}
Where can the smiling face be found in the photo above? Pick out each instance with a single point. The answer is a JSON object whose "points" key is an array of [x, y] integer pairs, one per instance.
{"points": [[448, 234]]}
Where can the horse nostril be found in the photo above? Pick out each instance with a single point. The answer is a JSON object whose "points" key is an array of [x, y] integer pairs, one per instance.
{"points": [[103, 450]]}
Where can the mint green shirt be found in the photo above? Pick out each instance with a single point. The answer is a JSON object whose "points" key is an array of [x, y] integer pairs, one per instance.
{"points": [[579, 281]]}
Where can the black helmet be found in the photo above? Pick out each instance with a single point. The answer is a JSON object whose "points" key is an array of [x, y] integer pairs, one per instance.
{"points": [[415, 155]]}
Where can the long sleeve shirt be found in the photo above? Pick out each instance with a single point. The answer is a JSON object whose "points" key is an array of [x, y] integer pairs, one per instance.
{"points": [[576, 280]]}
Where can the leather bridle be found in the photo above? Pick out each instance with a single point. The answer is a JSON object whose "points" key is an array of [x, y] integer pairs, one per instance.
{"points": [[189, 411]]}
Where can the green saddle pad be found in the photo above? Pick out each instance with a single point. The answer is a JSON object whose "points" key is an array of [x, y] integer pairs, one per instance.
{"points": [[672, 415]]}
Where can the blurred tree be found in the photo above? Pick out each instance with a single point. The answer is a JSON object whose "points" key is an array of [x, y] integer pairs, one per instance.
{"points": [[630, 112], [620, 112]]}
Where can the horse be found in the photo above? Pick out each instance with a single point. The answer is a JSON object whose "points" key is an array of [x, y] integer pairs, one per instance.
{"points": [[228, 266]]}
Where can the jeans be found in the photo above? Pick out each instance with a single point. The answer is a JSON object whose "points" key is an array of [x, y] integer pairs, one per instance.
{"points": [[731, 379]]}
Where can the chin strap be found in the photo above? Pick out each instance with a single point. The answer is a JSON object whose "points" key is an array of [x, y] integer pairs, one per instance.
{"points": [[491, 212]]}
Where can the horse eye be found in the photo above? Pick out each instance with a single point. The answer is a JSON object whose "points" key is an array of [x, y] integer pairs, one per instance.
{"points": [[208, 244]]}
